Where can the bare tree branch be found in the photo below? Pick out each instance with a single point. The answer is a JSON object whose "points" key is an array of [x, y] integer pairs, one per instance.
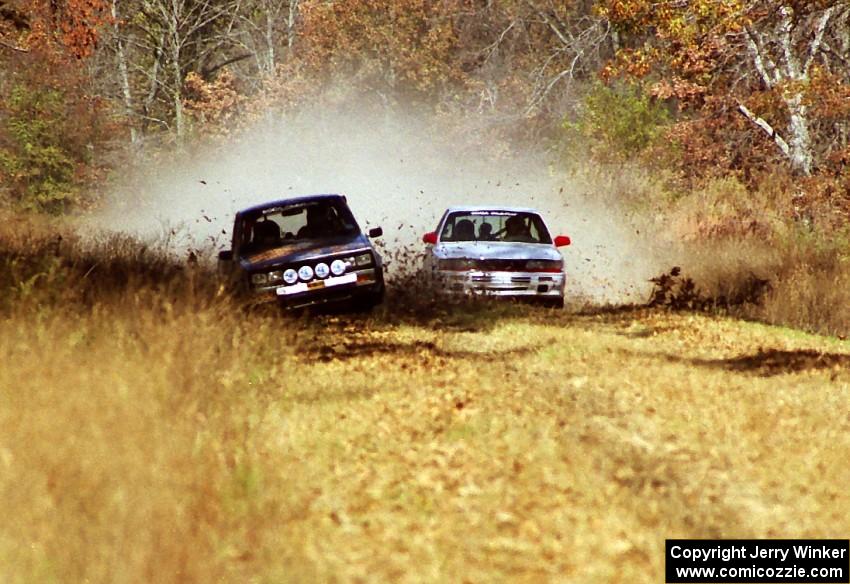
{"points": [[211, 70], [767, 128], [816, 43], [12, 47], [764, 64]]}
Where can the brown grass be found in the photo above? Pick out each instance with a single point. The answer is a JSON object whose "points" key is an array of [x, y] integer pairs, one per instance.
{"points": [[159, 435], [800, 281], [811, 290], [730, 239]]}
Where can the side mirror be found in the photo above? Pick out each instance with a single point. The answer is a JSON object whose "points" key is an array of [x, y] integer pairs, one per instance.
{"points": [[430, 238], [376, 232], [225, 255], [562, 241]]}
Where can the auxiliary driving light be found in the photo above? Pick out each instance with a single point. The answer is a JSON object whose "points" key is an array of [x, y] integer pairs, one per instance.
{"points": [[290, 276], [305, 273], [338, 267], [322, 270]]}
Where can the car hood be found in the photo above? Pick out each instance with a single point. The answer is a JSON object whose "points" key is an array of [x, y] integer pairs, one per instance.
{"points": [[304, 251], [496, 251]]}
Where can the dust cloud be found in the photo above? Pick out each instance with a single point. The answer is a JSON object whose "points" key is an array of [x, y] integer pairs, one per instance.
{"points": [[400, 172]]}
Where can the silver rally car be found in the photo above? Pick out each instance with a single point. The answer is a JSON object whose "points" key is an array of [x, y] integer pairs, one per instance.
{"points": [[500, 251]]}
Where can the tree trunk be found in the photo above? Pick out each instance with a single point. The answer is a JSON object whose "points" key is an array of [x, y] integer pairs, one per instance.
{"points": [[800, 139], [790, 62], [270, 54], [290, 24], [123, 75], [177, 81], [178, 95]]}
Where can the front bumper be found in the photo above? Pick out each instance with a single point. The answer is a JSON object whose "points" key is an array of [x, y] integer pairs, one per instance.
{"points": [[527, 284], [352, 285]]}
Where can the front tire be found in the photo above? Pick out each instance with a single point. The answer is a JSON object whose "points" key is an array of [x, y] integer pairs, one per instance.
{"points": [[368, 303], [557, 303]]}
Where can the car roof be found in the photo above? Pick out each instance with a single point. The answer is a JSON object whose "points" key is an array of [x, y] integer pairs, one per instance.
{"points": [[291, 201], [510, 209]]}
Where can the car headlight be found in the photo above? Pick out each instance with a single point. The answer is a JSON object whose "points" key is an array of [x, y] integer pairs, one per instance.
{"points": [[322, 270], [259, 279], [290, 276], [364, 259], [544, 265], [338, 267], [275, 276], [305, 273]]}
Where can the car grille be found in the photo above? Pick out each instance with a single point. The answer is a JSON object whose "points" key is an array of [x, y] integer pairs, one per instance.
{"points": [[489, 278], [500, 265]]}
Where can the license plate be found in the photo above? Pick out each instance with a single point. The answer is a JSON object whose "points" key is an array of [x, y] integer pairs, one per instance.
{"points": [[294, 289], [317, 284], [339, 280]]}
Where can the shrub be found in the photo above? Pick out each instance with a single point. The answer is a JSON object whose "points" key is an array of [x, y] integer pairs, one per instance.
{"points": [[617, 122], [811, 283], [35, 160], [724, 208], [214, 106], [798, 278]]}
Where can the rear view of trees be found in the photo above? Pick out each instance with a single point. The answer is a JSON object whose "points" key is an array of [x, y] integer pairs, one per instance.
{"points": [[796, 52], [782, 65], [722, 86], [153, 46], [52, 127]]}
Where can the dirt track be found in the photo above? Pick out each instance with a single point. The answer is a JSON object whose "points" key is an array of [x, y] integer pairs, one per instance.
{"points": [[481, 444]]}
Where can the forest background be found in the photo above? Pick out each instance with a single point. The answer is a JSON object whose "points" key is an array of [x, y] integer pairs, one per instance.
{"points": [[729, 118], [153, 430]]}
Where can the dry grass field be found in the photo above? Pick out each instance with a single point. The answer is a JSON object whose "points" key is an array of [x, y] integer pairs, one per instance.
{"points": [[157, 433]]}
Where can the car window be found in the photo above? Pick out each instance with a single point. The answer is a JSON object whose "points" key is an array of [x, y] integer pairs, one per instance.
{"points": [[495, 226], [278, 226]]}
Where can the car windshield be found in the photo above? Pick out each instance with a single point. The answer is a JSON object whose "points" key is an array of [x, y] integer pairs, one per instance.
{"points": [[284, 224], [495, 226]]}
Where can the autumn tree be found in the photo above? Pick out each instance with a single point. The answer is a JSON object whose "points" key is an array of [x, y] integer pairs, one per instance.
{"points": [[715, 60], [548, 46], [786, 48], [52, 126], [216, 105], [154, 46], [267, 30]]}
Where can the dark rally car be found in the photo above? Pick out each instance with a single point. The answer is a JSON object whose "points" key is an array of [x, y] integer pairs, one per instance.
{"points": [[304, 251]]}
